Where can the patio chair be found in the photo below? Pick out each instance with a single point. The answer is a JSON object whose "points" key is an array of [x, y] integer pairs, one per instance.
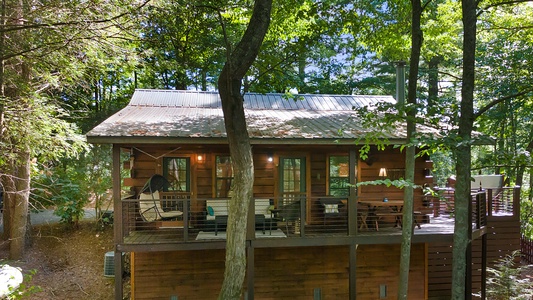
{"points": [[333, 208], [289, 213], [150, 205]]}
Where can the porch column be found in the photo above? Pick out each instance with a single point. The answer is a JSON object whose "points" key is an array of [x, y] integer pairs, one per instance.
{"points": [[352, 224], [352, 199], [353, 273], [117, 221], [250, 270]]}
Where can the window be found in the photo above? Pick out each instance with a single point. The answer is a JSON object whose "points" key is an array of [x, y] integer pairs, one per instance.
{"points": [[177, 171], [339, 176], [223, 176]]}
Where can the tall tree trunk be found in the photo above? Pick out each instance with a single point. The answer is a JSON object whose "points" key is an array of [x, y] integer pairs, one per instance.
{"points": [[230, 84], [16, 179], [461, 239], [407, 229], [19, 206], [433, 81]]}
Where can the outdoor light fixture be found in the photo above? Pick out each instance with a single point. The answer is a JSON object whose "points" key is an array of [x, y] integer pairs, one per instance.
{"points": [[270, 157], [200, 158], [383, 172]]}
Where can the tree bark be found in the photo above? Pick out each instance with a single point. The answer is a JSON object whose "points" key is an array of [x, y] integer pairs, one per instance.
{"points": [[230, 84], [461, 239], [16, 179], [19, 205], [410, 153], [433, 81]]}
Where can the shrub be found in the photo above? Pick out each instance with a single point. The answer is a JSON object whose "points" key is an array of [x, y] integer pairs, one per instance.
{"points": [[504, 282]]}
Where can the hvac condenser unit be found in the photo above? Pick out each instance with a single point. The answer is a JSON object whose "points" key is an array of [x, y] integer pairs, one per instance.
{"points": [[109, 264]]}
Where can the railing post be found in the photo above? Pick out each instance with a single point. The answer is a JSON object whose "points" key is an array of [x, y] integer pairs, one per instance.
{"points": [[185, 219], [303, 205], [516, 201], [478, 212]]}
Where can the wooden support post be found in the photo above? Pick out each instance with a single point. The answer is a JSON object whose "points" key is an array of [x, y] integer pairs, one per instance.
{"points": [[250, 270], [117, 221], [352, 198], [353, 272]]}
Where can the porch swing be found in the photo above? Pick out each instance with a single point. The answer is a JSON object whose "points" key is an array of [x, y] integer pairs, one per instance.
{"points": [[150, 201]]}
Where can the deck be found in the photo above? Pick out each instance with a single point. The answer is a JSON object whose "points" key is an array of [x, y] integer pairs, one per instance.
{"points": [[438, 229], [196, 232]]}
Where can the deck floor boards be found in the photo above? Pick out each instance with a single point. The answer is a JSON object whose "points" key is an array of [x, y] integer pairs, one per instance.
{"points": [[443, 225]]}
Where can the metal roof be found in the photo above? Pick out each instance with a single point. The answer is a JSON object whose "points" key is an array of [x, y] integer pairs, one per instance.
{"points": [[172, 116]]}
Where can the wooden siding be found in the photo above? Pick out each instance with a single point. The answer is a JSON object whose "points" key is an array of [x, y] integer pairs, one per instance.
{"points": [[148, 161], [379, 264], [280, 273], [503, 237]]}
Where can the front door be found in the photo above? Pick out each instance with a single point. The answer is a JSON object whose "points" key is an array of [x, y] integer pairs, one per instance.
{"points": [[292, 179]]}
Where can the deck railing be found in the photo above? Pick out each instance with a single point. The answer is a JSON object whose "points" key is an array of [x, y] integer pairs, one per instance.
{"points": [[526, 249], [178, 218], [498, 201], [192, 220]]}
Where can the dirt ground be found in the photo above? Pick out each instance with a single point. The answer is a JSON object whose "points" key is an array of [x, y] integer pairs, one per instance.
{"points": [[69, 264]]}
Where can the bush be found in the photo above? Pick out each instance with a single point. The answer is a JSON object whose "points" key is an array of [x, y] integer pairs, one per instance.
{"points": [[69, 202], [504, 282]]}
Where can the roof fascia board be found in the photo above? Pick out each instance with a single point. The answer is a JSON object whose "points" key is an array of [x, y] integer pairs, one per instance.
{"points": [[224, 141]]}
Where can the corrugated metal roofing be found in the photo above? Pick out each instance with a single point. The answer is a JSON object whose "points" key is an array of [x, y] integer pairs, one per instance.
{"points": [[195, 115]]}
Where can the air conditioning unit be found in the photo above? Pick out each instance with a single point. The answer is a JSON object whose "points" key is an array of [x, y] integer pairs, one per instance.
{"points": [[109, 264]]}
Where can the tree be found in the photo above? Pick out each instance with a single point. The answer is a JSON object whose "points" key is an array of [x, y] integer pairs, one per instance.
{"points": [[410, 153], [461, 236], [42, 54], [238, 62]]}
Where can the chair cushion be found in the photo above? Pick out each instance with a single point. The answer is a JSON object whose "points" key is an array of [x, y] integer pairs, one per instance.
{"points": [[331, 208], [210, 211]]}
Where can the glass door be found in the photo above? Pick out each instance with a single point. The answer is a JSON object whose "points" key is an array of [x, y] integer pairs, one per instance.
{"points": [[292, 179], [177, 170]]}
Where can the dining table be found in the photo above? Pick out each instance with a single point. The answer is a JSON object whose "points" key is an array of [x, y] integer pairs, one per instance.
{"points": [[395, 206]]}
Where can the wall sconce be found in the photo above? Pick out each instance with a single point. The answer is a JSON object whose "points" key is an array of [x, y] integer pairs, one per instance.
{"points": [[383, 172], [270, 157], [200, 158]]}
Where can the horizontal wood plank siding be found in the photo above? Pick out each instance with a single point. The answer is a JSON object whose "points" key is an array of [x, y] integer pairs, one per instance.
{"points": [[503, 237], [280, 273], [186, 274], [379, 264]]}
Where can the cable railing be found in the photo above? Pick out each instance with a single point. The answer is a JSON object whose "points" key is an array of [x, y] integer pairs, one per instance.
{"points": [[171, 219]]}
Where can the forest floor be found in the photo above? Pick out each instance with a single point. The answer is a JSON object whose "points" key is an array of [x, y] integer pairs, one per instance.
{"points": [[68, 263]]}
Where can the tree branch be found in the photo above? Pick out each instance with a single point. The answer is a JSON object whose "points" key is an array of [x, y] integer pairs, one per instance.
{"points": [[499, 100], [482, 10], [61, 24]]}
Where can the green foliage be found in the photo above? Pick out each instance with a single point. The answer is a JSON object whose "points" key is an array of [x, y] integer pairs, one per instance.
{"points": [[526, 217], [69, 201], [504, 282], [70, 184], [399, 183]]}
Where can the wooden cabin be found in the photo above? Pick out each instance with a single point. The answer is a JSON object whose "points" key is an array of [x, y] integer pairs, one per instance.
{"points": [[311, 233]]}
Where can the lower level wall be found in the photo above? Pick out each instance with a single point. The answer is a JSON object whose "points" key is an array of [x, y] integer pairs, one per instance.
{"points": [[503, 237], [280, 273]]}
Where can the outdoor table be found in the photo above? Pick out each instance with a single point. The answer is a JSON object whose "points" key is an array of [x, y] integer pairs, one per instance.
{"points": [[395, 205]]}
